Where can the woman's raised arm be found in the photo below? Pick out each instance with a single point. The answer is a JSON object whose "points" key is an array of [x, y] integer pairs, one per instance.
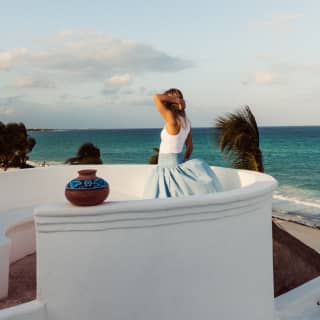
{"points": [[161, 99]]}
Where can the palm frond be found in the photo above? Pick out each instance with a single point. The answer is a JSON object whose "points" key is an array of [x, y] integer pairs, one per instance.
{"points": [[87, 153], [238, 139]]}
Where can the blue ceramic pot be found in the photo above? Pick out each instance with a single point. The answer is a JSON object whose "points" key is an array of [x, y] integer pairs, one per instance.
{"points": [[87, 189]]}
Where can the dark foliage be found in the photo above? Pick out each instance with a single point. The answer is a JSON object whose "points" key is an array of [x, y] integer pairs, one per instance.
{"points": [[238, 139], [14, 145], [154, 157], [87, 154]]}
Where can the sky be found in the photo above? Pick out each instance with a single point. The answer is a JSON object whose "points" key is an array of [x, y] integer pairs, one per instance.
{"points": [[97, 64]]}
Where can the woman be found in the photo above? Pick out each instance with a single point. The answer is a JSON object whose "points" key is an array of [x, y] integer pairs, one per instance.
{"points": [[176, 175]]}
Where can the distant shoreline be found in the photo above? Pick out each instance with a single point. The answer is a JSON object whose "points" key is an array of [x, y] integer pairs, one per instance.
{"points": [[155, 128], [40, 130]]}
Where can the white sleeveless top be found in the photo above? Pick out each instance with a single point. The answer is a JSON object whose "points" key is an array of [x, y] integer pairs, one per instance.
{"points": [[174, 143]]}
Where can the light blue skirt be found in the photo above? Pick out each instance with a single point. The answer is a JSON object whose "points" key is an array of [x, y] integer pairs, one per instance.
{"points": [[174, 178]]}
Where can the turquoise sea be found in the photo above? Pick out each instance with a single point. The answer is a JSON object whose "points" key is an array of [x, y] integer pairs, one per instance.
{"points": [[291, 155]]}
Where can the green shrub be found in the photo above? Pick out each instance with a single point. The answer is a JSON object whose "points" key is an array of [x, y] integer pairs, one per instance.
{"points": [[86, 154], [14, 145], [154, 157]]}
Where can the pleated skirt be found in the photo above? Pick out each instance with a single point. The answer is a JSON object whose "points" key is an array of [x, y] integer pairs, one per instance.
{"points": [[173, 177]]}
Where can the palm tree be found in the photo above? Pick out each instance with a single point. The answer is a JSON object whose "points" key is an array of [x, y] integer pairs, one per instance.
{"points": [[86, 154], [238, 139], [15, 143], [154, 157]]}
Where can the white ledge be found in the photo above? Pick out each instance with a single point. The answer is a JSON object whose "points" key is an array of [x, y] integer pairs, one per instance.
{"points": [[141, 214]]}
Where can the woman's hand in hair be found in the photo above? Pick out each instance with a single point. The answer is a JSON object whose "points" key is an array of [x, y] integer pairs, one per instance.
{"points": [[179, 104]]}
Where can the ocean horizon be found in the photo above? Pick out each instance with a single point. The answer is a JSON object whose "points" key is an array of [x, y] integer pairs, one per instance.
{"points": [[147, 128], [290, 155]]}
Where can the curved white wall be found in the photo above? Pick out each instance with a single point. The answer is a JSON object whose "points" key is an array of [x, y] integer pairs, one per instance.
{"points": [[22, 238], [202, 257], [29, 187]]}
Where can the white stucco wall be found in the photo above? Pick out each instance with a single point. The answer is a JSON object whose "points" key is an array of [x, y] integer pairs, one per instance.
{"points": [[200, 257], [22, 238]]}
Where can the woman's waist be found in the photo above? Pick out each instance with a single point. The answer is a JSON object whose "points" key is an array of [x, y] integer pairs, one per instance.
{"points": [[167, 148], [169, 160]]}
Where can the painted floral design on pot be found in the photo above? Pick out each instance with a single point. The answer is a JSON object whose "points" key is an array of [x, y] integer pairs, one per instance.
{"points": [[87, 189]]}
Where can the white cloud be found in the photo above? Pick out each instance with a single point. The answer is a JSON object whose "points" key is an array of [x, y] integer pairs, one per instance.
{"points": [[284, 72], [21, 83], [10, 100], [266, 78], [116, 82], [130, 101], [280, 22], [10, 104], [308, 68], [65, 34], [120, 80], [11, 57], [73, 98], [6, 110], [92, 55]]}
